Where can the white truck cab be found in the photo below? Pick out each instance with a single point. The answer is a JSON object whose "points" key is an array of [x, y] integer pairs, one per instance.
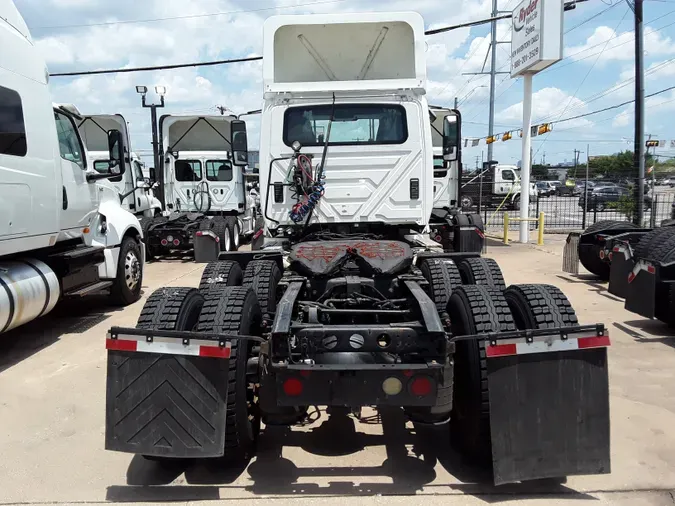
{"points": [[62, 229], [364, 75], [133, 186], [202, 183]]}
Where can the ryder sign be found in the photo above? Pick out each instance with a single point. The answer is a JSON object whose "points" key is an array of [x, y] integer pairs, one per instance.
{"points": [[536, 42]]}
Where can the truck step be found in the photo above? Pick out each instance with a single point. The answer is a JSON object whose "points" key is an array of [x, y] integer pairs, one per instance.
{"points": [[79, 252], [86, 290]]}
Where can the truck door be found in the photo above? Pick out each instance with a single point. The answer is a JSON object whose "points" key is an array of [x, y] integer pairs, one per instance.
{"points": [[141, 193], [226, 184], [506, 180], [80, 198]]}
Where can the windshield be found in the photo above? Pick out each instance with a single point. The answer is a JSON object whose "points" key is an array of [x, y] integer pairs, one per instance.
{"points": [[352, 125]]}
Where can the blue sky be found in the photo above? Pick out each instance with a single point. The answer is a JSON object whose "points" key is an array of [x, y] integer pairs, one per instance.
{"points": [[596, 72]]}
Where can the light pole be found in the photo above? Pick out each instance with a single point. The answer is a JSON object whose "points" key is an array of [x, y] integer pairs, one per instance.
{"points": [[156, 151]]}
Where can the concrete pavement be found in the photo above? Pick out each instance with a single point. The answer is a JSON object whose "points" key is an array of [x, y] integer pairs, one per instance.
{"points": [[52, 396]]}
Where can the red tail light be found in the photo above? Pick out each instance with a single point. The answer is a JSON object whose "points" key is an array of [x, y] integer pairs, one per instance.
{"points": [[164, 242], [420, 386], [176, 242], [293, 387]]}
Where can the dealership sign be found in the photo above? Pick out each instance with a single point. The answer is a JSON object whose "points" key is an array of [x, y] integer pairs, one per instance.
{"points": [[536, 40]]}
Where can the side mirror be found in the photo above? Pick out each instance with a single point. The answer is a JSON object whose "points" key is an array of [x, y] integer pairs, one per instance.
{"points": [[239, 144], [451, 137], [153, 177], [115, 152]]}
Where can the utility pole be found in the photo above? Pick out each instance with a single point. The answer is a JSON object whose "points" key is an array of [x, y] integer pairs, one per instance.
{"points": [[543, 158], [456, 105], [639, 144], [156, 149], [493, 69]]}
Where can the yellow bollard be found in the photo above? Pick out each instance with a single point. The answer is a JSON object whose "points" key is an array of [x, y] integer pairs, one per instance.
{"points": [[540, 238], [506, 228]]}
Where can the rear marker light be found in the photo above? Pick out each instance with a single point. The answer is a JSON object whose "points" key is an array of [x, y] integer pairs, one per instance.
{"points": [[420, 386], [164, 242], [602, 254], [293, 387], [392, 386], [176, 242]]}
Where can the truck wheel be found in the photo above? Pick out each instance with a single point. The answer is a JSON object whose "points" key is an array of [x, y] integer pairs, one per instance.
{"points": [[481, 271], [443, 277], [235, 232], [467, 202], [651, 240], [145, 226], [662, 250], [170, 309], [590, 257], [474, 310], [539, 307], [263, 276], [126, 288], [235, 310], [221, 227], [220, 273]]}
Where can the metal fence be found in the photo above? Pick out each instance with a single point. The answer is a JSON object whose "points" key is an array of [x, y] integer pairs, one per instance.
{"points": [[563, 213]]}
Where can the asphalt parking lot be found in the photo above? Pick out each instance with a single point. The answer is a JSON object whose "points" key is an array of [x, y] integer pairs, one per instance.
{"points": [[52, 391]]}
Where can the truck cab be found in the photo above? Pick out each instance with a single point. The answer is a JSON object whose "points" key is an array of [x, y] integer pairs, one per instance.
{"points": [[133, 186], [62, 229]]}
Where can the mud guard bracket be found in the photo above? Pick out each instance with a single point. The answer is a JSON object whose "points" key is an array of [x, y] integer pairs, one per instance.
{"points": [[549, 414]]}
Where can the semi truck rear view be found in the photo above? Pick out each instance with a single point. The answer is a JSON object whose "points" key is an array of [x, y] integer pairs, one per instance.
{"points": [[63, 232], [348, 302]]}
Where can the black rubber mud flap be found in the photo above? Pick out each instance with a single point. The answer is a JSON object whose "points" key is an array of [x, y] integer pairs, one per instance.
{"points": [[641, 293], [621, 267], [549, 414], [166, 405], [571, 254]]}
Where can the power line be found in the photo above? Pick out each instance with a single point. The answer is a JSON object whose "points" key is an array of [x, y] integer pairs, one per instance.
{"points": [[190, 16], [592, 17], [470, 23], [158, 67]]}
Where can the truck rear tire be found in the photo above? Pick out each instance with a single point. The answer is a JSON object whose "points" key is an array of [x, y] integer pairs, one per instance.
{"points": [[126, 288], [539, 307], [235, 232], [235, 310], [220, 273], [263, 276], [590, 257], [474, 309], [481, 271], [221, 227], [170, 309], [443, 277], [651, 240]]}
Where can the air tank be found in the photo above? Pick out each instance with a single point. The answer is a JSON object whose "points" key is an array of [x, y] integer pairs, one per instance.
{"points": [[28, 290]]}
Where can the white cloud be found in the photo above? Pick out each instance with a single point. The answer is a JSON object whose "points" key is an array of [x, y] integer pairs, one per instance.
{"points": [[548, 104], [67, 4], [624, 118], [606, 45]]}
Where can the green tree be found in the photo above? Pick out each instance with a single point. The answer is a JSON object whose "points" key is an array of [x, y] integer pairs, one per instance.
{"points": [[616, 166], [540, 173]]}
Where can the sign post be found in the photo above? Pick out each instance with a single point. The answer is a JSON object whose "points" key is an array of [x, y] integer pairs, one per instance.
{"points": [[535, 45]]}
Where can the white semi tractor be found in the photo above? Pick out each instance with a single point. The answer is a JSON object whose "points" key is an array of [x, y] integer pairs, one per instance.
{"points": [[63, 231], [133, 187], [203, 183]]}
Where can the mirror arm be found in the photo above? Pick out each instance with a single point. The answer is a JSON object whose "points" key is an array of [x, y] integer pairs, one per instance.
{"points": [[98, 177]]}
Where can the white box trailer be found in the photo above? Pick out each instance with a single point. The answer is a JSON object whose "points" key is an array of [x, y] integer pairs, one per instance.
{"points": [[63, 232]]}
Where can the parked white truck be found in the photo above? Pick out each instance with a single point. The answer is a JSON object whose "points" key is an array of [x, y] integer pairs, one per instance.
{"points": [[348, 303], [133, 186], [203, 183], [62, 229]]}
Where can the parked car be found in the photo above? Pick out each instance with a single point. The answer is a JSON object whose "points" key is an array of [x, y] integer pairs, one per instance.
{"points": [[603, 197], [545, 188]]}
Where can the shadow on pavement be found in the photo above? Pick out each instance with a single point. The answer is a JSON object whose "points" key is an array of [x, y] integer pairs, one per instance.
{"points": [[271, 474], [70, 316], [648, 331]]}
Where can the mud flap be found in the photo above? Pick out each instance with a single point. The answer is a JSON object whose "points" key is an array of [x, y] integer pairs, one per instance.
{"points": [[620, 268], [641, 293], [549, 414], [571, 254], [166, 403]]}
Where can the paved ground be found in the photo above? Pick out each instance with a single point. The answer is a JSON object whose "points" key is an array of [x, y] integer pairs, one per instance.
{"points": [[52, 394]]}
